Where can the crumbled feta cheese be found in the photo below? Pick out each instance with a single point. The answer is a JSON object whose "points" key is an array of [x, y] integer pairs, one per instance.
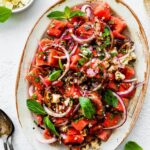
{"points": [[113, 68], [56, 98], [13, 3], [64, 128], [25, 2], [119, 76], [8, 5], [130, 56], [66, 102], [114, 51], [106, 64], [87, 147], [95, 145]]}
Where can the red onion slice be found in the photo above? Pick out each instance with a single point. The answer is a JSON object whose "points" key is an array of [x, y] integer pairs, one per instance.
{"points": [[87, 9], [63, 136], [75, 109], [66, 55], [79, 40], [72, 52], [62, 124], [74, 49], [130, 80], [41, 139], [31, 90], [54, 114], [42, 80], [64, 34], [128, 91], [60, 57], [98, 87], [124, 114], [139, 84]]}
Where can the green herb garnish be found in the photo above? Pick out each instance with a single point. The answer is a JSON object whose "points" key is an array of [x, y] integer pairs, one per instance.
{"points": [[54, 75], [86, 51], [35, 107], [102, 56], [106, 32], [37, 79], [5, 13], [105, 38], [82, 61], [110, 99], [131, 145], [113, 54], [87, 107], [34, 96], [66, 14], [50, 125], [60, 64]]}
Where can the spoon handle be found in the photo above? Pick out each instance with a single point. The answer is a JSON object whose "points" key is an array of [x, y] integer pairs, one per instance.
{"points": [[10, 143], [4, 138], [5, 146]]}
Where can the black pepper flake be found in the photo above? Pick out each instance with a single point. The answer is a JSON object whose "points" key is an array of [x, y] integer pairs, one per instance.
{"points": [[87, 27]]}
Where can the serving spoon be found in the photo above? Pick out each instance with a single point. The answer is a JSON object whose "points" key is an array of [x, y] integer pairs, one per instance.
{"points": [[6, 130]]}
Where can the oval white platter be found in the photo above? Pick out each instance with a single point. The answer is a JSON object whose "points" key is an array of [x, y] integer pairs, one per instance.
{"points": [[142, 72]]}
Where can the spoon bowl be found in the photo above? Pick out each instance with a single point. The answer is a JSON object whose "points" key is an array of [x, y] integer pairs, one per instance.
{"points": [[6, 129]]}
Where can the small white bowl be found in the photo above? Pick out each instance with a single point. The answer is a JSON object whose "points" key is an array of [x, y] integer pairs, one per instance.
{"points": [[17, 10]]}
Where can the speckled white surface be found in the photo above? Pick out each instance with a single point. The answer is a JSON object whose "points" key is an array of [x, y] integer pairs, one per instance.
{"points": [[13, 35]]}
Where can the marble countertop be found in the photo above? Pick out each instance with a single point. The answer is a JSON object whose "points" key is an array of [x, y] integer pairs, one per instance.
{"points": [[13, 35]]}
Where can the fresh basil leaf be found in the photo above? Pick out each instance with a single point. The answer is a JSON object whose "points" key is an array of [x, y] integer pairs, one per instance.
{"points": [[131, 145], [60, 64], [5, 13], [35, 107], [67, 12], [110, 99], [56, 15], [76, 13], [50, 125], [87, 107], [54, 75]]}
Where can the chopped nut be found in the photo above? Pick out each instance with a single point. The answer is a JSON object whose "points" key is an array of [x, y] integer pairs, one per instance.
{"points": [[56, 98], [130, 56], [64, 128]]}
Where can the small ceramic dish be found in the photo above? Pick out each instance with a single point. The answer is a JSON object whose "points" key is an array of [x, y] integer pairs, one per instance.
{"points": [[17, 10]]}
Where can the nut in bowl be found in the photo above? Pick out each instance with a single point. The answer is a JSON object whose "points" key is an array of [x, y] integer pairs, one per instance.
{"points": [[16, 5]]}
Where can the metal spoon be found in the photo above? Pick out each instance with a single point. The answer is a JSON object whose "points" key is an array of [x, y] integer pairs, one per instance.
{"points": [[6, 130]]}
